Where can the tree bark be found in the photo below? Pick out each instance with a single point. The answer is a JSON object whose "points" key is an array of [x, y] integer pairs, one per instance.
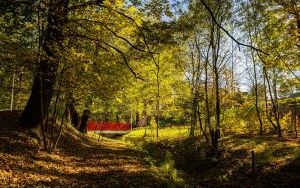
{"points": [[12, 91], [193, 86], [145, 116], [137, 119], [157, 97], [44, 79], [203, 130], [208, 116], [194, 115], [256, 88], [256, 97], [215, 44], [73, 114], [274, 106], [84, 119], [267, 113]]}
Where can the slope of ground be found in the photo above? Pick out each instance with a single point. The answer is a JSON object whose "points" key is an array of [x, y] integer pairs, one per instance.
{"points": [[79, 161], [277, 161]]}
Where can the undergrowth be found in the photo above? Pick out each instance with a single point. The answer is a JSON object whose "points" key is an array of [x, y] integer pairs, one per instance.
{"points": [[184, 160]]}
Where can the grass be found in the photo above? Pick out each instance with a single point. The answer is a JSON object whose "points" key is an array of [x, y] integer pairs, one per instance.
{"points": [[165, 163], [268, 149], [272, 158], [139, 134], [78, 161], [276, 160], [164, 133], [137, 140], [172, 160]]}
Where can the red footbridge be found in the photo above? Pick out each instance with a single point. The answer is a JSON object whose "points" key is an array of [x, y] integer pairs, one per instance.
{"points": [[113, 128]]}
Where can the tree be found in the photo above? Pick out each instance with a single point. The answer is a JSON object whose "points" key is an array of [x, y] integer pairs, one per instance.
{"points": [[252, 31], [42, 89], [269, 25], [53, 48]]}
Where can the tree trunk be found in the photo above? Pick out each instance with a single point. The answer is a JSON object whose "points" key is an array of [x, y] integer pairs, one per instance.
{"points": [[294, 119], [117, 117], [60, 130], [203, 130], [256, 95], [157, 97], [137, 119], [194, 115], [145, 116], [297, 123], [255, 88], [73, 114], [44, 79], [12, 91], [274, 106], [258, 112], [84, 120], [208, 116], [215, 43], [267, 113], [193, 85], [218, 111]]}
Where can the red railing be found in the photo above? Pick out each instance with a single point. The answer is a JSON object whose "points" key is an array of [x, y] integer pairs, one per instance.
{"points": [[107, 126]]}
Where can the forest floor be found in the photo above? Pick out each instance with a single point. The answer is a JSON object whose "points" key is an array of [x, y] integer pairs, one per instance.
{"points": [[78, 161], [276, 161], [172, 161]]}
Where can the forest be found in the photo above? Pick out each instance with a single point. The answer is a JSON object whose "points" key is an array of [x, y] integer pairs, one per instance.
{"points": [[149, 93]]}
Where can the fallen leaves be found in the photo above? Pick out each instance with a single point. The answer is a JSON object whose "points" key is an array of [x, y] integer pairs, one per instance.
{"points": [[78, 162]]}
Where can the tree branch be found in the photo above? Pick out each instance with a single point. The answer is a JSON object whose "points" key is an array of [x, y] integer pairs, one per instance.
{"points": [[281, 59], [227, 33], [287, 66], [86, 4], [125, 60], [113, 32], [113, 47]]}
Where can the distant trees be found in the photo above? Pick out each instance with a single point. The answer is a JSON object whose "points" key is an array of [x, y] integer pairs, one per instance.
{"points": [[262, 25], [16, 51]]}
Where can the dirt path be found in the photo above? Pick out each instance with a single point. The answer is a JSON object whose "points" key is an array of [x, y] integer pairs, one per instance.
{"points": [[78, 162]]}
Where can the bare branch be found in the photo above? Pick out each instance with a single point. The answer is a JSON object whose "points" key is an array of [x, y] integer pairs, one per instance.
{"points": [[227, 33]]}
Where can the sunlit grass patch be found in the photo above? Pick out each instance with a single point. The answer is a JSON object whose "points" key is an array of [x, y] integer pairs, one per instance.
{"points": [[167, 167], [100, 139], [160, 158], [270, 153], [163, 133]]}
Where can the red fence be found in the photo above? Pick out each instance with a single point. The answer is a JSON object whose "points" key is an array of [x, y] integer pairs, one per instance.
{"points": [[107, 126]]}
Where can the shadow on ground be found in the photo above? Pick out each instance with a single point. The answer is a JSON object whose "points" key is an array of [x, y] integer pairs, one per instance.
{"points": [[78, 161]]}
